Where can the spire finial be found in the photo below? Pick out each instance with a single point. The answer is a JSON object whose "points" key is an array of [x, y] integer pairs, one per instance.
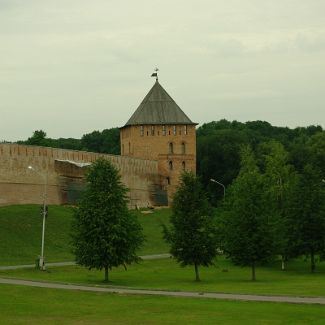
{"points": [[155, 74]]}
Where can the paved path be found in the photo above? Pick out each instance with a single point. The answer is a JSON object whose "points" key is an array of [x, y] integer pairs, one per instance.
{"points": [[209, 295], [129, 291], [30, 266]]}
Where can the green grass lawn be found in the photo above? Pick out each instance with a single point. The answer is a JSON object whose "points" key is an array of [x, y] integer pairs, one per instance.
{"points": [[166, 274], [20, 233], [151, 224], [25, 305], [21, 226]]}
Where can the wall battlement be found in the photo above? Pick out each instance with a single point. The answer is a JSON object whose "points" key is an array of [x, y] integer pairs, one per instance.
{"points": [[19, 184]]}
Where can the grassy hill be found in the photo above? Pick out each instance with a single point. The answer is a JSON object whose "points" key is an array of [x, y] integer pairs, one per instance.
{"points": [[21, 227]]}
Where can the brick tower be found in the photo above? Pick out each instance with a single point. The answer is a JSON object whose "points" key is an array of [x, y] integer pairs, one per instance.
{"points": [[160, 130]]}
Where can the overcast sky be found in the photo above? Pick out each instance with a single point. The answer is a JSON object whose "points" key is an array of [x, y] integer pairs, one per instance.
{"points": [[70, 67]]}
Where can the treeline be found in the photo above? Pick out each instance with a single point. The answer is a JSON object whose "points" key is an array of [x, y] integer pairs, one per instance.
{"points": [[219, 144], [106, 141], [275, 189], [273, 208]]}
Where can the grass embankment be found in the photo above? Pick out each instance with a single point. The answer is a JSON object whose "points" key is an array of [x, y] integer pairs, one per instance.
{"points": [[20, 230], [50, 306], [166, 274], [21, 227]]}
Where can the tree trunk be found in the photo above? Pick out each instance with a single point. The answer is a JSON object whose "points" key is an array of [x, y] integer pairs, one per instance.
{"points": [[197, 277], [283, 266], [253, 272], [312, 261], [106, 274]]}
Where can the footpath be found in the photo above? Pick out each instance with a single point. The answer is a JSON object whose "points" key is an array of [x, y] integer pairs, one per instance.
{"points": [[188, 294], [31, 266], [130, 291]]}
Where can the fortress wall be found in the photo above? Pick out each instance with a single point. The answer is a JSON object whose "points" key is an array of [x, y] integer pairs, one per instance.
{"points": [[20, 185]]}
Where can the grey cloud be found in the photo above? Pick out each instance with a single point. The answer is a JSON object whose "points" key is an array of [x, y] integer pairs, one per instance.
{"points": [[233, 59]]}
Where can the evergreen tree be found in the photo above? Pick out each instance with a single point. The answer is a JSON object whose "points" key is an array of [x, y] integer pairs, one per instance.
{"points": [[192, 234], [246, 224], [105, 233]]}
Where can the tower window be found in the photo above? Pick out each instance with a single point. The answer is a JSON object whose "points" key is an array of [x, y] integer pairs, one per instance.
{"points": [[185, 129], [183, 165], [174, 130], [183, 148], [129, 147], [141, 130], [171, 147], [164, 130], [168, 181], [170, 165], [152, 130]]}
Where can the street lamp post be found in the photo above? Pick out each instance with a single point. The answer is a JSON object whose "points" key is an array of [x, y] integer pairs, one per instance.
{"points": [[224, 188], [44, 213]]}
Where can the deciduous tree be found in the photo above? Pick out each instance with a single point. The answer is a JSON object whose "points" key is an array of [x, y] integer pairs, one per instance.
{"points": [[192, 234], [246, 223], [105, 233]]}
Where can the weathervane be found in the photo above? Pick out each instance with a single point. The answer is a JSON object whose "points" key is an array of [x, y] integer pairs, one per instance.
{"points": [[155, 74]]}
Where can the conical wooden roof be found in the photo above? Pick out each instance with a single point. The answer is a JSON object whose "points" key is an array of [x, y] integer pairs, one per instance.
{"points": [[158, 108]]}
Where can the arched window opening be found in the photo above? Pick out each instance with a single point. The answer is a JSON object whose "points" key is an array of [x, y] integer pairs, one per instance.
{"points": [[141, 130], [129, 147], [183, 148], [171, 147], [183, 165], [168, 180], [170, 165], [185, 129], [152, 130], [174, 130]]}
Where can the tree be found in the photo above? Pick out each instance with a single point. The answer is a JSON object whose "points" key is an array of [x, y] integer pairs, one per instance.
{"points": [[279, 176], [105, 233], [219, 158], [307, 215], [192, 235], [38, 138], [107, 141], [246, 225]]}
